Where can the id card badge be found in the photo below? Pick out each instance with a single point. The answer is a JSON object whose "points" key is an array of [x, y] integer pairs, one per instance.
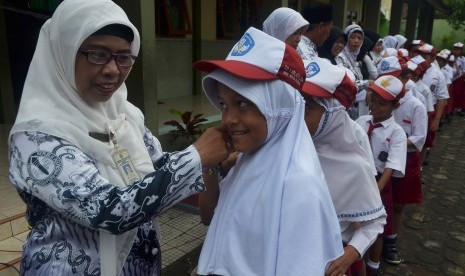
{"points": [[125, 166]]}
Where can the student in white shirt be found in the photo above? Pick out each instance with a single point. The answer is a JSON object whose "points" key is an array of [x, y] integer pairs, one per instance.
{"points": [[343, 149], [389, 146], [272, 213]]}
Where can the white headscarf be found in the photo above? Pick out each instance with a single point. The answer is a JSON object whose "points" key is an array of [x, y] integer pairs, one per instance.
{"points": [[400, 40], [283, 22], [390, 42], [352, 55], [349, 173], [50, 104], [274, 214]]}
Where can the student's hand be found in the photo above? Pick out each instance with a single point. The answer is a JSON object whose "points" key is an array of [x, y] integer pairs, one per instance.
{"points": [[227, 164], [339, 266], [212, 146]]}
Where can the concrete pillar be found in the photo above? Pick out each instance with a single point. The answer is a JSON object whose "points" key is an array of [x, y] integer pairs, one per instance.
{"points": [[8, 110], [371, 11], [339, 13], [396, 16], [196, 44], [426, 21], [142, 81], [412, 15]]}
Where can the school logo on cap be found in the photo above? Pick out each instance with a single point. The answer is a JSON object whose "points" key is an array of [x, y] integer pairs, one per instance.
{"points": [[312, 69], [243, 46], [384, 65], [385, 83]]}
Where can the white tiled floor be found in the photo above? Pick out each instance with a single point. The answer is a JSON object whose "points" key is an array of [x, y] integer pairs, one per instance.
{"points": [[181, 230]]}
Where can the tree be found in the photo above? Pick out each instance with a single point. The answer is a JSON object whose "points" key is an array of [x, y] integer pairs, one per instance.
{"points": [[456, 18]]}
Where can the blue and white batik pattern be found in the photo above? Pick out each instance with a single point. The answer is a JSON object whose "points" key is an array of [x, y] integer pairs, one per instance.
{"points": [[68, 202]]}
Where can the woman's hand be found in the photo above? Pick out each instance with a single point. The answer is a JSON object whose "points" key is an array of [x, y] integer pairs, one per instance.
{"points": [[212, 146], [339, 266]]}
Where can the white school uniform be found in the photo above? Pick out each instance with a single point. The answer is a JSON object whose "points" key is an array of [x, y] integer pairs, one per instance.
{"points": [[390, 139], [423, 89], [435, 80], [410, 85], [447, 75], [460, 61], [412, 117]]}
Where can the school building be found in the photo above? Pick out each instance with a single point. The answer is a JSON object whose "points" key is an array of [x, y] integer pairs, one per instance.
{"points": [[175, 33]]}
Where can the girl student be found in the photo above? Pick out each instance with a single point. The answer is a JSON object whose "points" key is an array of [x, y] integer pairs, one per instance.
{"points": [[274, 214], [286, 25], [343, 149], [389, 147]]}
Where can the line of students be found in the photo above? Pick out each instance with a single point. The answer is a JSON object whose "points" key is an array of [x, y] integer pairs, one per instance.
{"points": [[372, 168]]}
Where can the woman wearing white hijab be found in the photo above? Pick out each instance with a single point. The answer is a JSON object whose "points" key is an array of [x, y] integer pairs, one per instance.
{"points": [[92, 176], [346, 159], [286, 25], [274, 214], [348, 59]]}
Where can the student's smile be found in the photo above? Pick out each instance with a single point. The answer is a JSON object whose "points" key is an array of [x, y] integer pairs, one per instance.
{"points": [[242, 120]]}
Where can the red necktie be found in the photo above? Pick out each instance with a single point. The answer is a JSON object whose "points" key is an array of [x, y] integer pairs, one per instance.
{"points": [[371, 127]]}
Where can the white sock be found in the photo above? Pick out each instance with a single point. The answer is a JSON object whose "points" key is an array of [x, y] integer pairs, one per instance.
{"points": [[393, 236], [372, 264]]}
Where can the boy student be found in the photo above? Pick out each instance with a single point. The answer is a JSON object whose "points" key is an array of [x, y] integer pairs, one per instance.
{"points": [[435, 80], [418, 88], [459, 83], [320, 17], [274, 214], [424, 89], [389, 147], [411, 115], [328, 91], [442, 61]]}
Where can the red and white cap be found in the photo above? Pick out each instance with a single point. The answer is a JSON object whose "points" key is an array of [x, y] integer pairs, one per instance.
{"points": [[259, 56], [442, 55], [390, 66], [402, 52], [428, 49], [388, 87], [447, 51], [412, 66], [418, 42], [325, 80], [458, 45], [422, 64]]}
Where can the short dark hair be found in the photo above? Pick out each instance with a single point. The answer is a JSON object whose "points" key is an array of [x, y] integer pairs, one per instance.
{"points": [[317, 13]]}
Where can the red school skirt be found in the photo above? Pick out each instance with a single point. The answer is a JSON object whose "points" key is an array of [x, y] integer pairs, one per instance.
{"points": [[407, 190], [459, 92]]}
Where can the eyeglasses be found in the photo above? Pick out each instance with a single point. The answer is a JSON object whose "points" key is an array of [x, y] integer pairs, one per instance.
{"points": [[100, 57]]}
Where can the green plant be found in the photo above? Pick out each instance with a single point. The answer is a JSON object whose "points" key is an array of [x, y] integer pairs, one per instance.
{"points": [[190, 126]]}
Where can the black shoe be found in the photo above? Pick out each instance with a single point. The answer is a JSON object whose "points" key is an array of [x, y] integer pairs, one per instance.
{"points": [[390, 253]]}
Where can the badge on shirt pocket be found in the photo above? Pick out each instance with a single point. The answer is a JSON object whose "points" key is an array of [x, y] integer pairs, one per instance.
{"points": [[383, 156]]}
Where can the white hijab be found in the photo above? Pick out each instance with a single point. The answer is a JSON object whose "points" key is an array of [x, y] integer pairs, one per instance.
{"points": [[50, 104], [349, 173], [283, 22], [274, 214], [350, 55]]}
